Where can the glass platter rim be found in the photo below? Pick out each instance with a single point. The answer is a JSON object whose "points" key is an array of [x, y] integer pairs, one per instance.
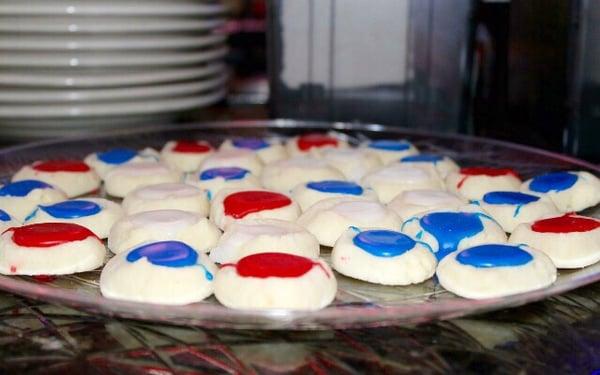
{"points": [[216, 316]]}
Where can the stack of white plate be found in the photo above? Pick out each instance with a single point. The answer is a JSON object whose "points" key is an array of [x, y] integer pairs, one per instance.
{"points": [[75, 66]]}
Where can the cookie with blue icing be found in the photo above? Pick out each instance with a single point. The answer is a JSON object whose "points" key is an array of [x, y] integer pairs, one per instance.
{"points": [[446, 231], [213, 180], [389, 181], [312, 192], [571, 191], [495, 270], [186, 155], [103, 161], [382, 257], [169, 196], [353, 163], [511, 208], [165, 272], [441, 164], [96, 214], [390, 150], [267, 150], [19, 198]]}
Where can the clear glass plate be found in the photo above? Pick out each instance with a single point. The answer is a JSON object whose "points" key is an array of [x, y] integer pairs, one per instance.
{"points": [[358, 304]]}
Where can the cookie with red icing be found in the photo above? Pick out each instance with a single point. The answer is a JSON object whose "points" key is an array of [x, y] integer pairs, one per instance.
{"points": [[50, 249], [186, 155], [313, 143], [74, 177], [474, 182], [571, 241], [232, 205], [268, 281]]}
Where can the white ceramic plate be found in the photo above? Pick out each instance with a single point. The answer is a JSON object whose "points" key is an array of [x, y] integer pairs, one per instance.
{"points": [[16, 42], [34, 96], [104, 78], [119, 108], [100, 24], [108, 59], [110, 7]]}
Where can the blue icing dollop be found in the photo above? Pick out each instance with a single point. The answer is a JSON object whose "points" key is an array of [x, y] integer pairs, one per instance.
{"points": [[4, 216], [449, 228], [389, 145], [336, 187], [554, 181], [116, 155], [383, 243], [494, 255], [22, 188], [172, 254], [72, 209], [422, 158], [509, 197], [250, 143], [227, 173]]}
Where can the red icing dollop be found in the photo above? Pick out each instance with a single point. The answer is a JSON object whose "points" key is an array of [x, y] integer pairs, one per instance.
{"points": [[196, 147], [265, 265], [49, 234], [485, 171], [61, 166], [243, 203], [307, 141], [568, 223]]}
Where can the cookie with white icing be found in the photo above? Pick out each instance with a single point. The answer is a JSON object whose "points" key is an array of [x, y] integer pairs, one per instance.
{"points": [[240, 158], [163, 225], [267, 151], [214, 180], [167, 272], [446, 231], [495, 270], [511, 208], [413, 202], [389, 181], [232, 205], [571, 241], [315, 191], [390, 150], [443, 165], [284, 175], [73, 177], [329, 218], [571, 191], [313, 143], [168, 196], [353, 163], [96, 214], [19, 198], [124, 179], [382, 257], [268, 281], [50, 249], [243, 238], [186, 155], [104, 161], [474, 182]]}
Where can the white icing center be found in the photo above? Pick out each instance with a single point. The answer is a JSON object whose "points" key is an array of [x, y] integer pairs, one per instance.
{"points": [[142, 169], [164, 191], [363, 211], [429, 198], [303, 162], [164, 220], [402, 173]]}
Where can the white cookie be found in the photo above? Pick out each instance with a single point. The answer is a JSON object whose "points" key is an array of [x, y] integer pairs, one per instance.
{"points": [[446, 231], [313, 143], [284, 175], [243, 238], [570, 191], [168, 272], [382, 257], [396, 178], [413, 202], [74, 177], [214, 180], [163, 225], [104, 161], [50, 249], [495, 270], [19, 198], [315, 191], [571, 241], [232, 205], [443, 165], [353, 163], [185, 155], [275, 281], [329, 218], [96, 214], [474, 182], [267, 151], [168, 196], [511, 208], [240, 158], [390, 150], [124, 179]]}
